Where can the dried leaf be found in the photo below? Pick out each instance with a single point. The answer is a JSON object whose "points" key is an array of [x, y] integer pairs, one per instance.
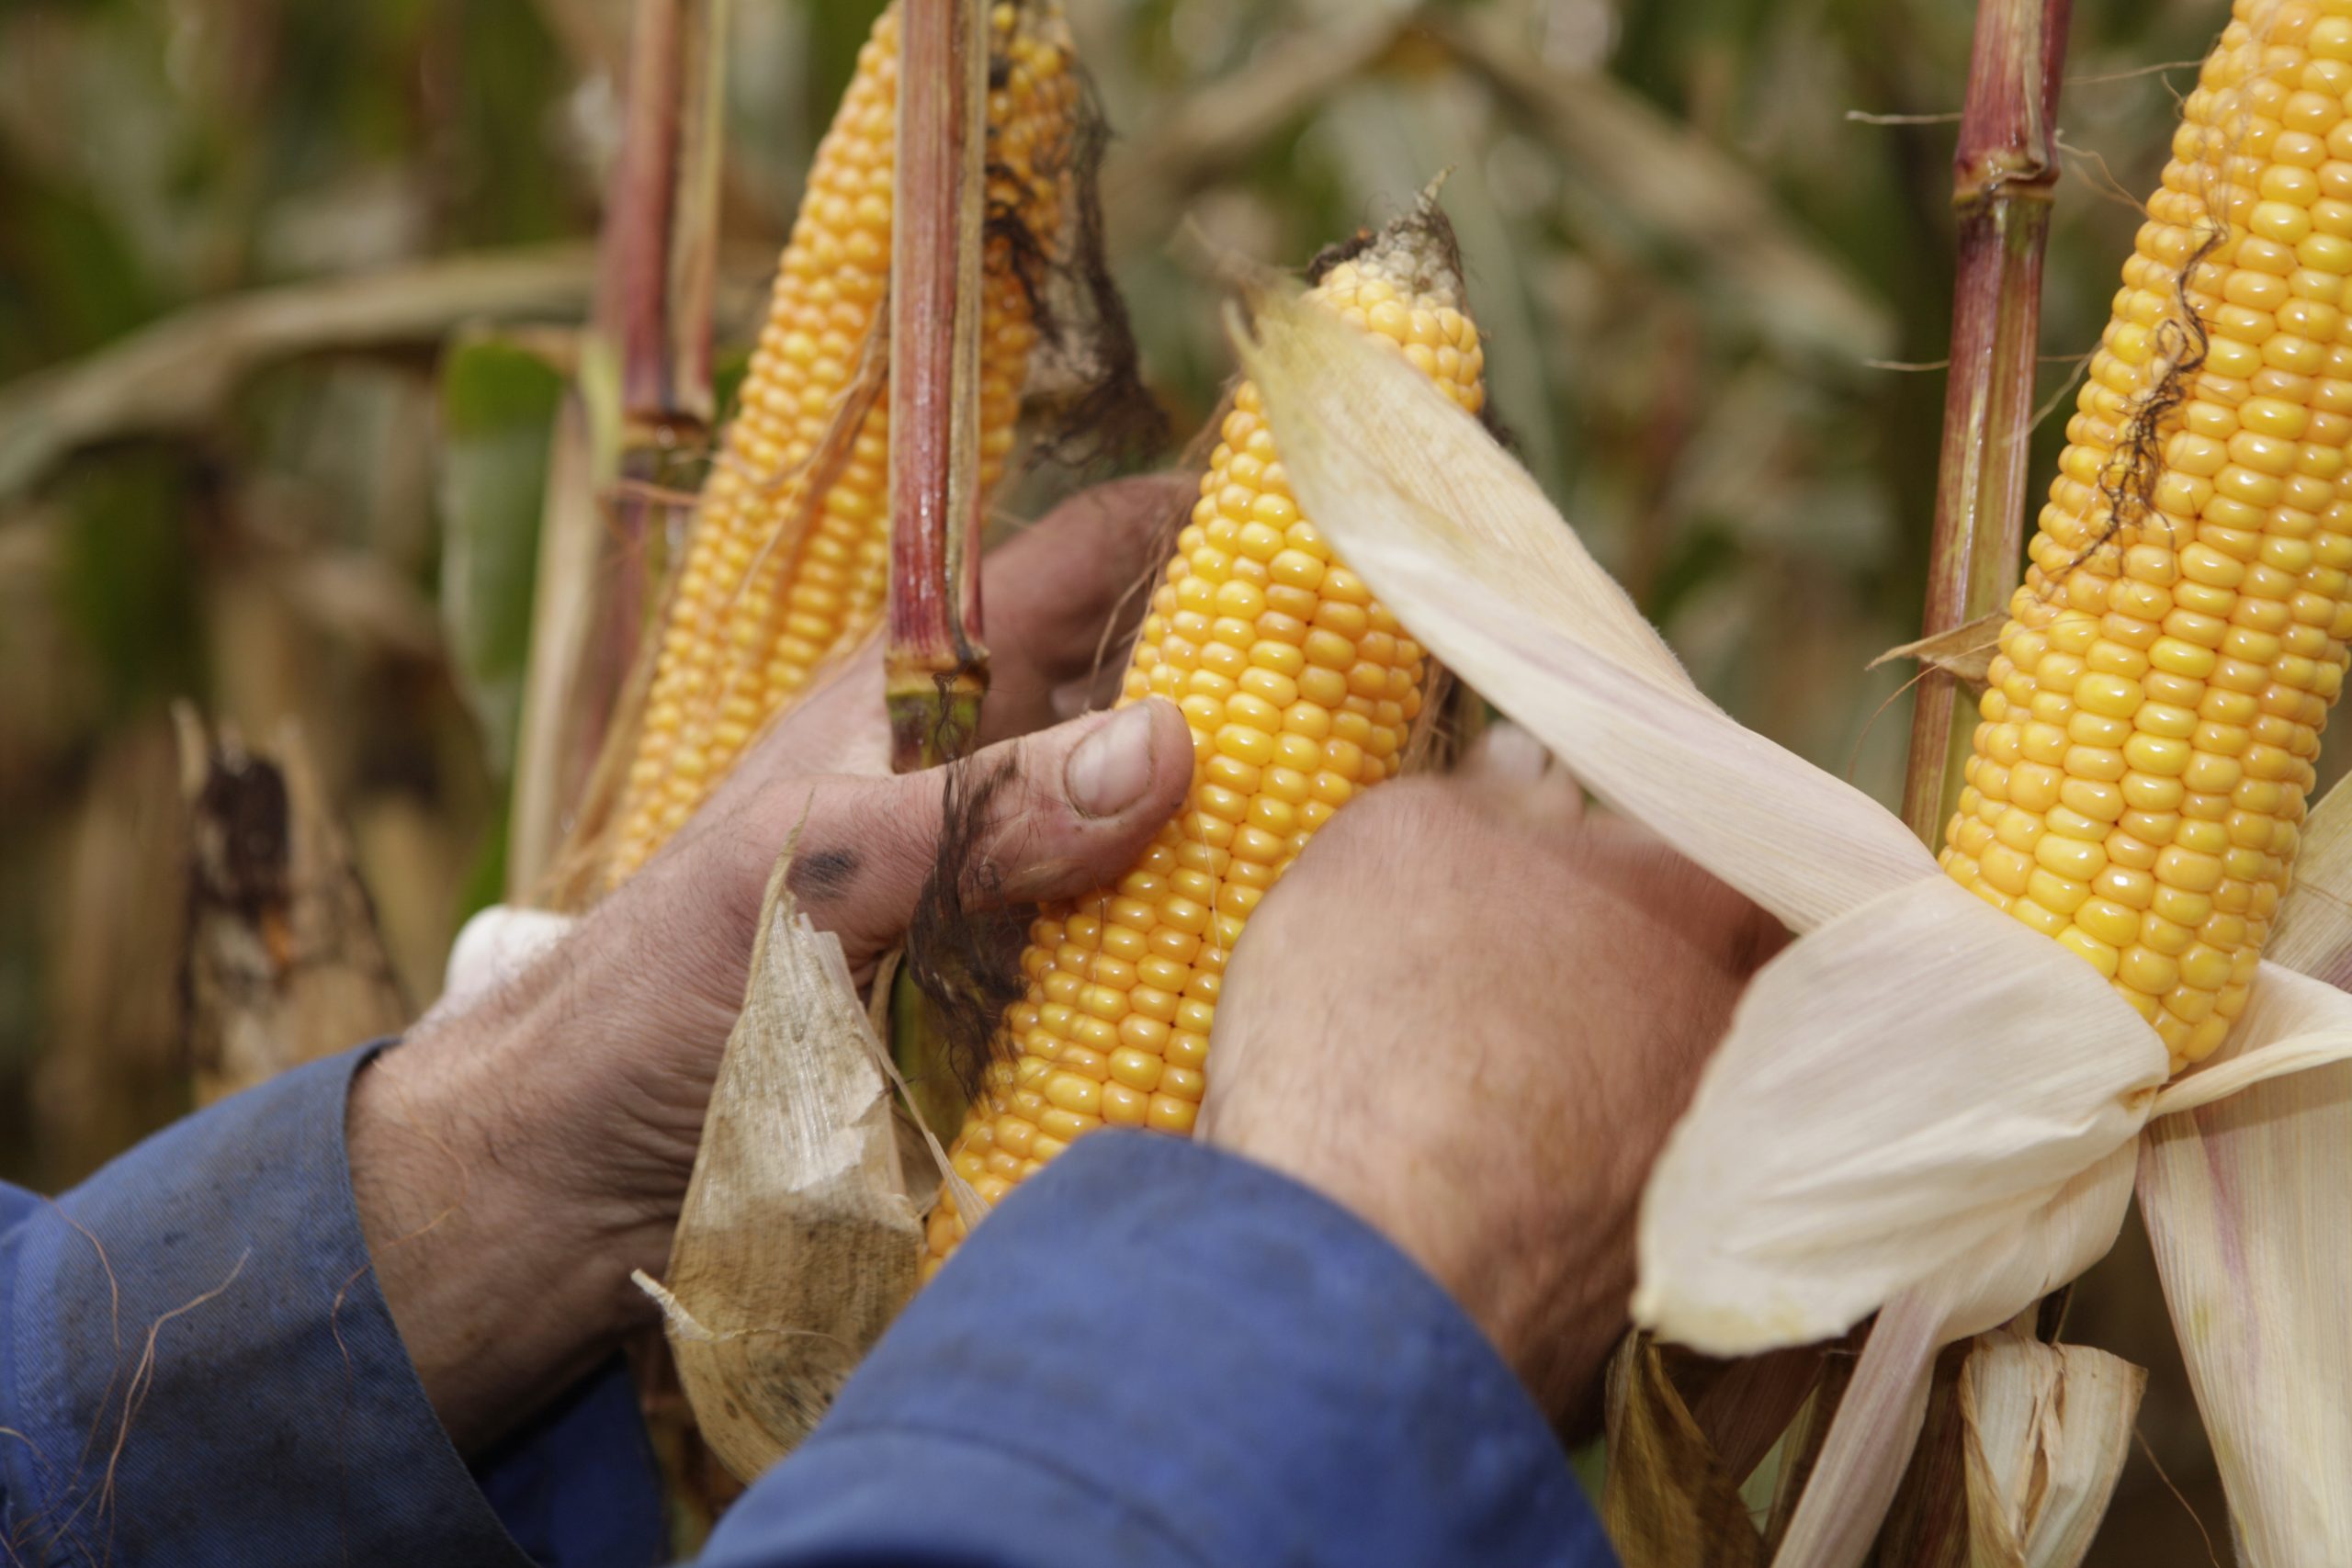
{"points": [[1843, 1144], [2047, 1429], [284, 960], [1457, 540], [1965, 651], [1870, 1442], [2247, 1202], [1668, 1500], [798, 1245], [2292, 1024]]}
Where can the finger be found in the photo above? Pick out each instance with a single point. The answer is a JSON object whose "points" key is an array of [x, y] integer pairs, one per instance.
{"points": [[1061, 598], [1075, 807], [1518, 772]]}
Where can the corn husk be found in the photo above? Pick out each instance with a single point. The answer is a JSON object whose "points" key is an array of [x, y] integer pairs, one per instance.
{"points": [[284, 960], [1965, 652], [2248, 1201], [1670, 1499], [1922, 1108], [1863, 1463], [2046, 1428], [797, 1244]]}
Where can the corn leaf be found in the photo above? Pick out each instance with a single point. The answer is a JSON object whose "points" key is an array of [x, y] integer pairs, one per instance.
{"points": [[797, 1244], [1843, 1142], [2247, 1202], [1863, 1463], [2046, 1429], [1457, 540]]}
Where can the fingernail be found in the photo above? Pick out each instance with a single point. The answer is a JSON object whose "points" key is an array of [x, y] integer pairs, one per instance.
{"points": [[1111, 767]]}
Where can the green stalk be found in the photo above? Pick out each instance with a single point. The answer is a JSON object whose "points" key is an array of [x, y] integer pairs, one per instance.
{"points": [[625, 461]]}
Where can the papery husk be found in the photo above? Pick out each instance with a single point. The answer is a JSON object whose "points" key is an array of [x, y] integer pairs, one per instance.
{"points": [[1456, 537], [1863, 1463], [1965, 652], [797, 1244], [2046, 1430], [284, 962], [2248, 1203], [1670, 1499], [1808, 1184]]}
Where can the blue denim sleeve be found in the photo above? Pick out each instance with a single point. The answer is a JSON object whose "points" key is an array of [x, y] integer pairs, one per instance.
{"points": [[197, 1370], [1159, 1355]]}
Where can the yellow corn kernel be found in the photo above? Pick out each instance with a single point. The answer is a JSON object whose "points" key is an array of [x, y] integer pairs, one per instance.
{"points": [[1276, 756], [785, 562], [2137, 784]]}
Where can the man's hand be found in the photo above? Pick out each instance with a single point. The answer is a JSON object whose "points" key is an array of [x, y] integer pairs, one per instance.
{"points": [[512, 1164], [1470, 1013]]}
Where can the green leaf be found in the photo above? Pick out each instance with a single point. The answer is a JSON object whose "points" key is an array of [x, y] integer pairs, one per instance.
{"points": [[498, 407]]}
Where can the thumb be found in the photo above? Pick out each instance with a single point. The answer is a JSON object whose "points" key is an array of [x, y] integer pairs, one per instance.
{"points": [[1060, 812]]}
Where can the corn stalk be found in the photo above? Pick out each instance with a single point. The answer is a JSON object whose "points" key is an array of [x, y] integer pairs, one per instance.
{"points": [[629, 439], [936, 670], [2005, 170]]}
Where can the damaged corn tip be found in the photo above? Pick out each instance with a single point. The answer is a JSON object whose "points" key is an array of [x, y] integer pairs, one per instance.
{"points": [[776, 580], [2148, 737], [1300, 689]]}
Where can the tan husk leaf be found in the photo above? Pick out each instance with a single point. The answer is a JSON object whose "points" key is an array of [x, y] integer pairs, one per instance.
{"points": [[1808, 1182], [1668, 1500], [2248, 1201], [1863, 1463], [1454, 536], [798, 1245], [2047, 1428], [1965, 651]]}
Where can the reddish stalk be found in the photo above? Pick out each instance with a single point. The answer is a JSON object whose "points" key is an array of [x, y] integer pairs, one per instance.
{"points": [[639, 421], [936, 669], [2004, 171]]}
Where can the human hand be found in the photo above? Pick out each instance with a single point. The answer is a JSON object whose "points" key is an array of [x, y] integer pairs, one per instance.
{"points": [[512, 1163], [1470, 1014]]}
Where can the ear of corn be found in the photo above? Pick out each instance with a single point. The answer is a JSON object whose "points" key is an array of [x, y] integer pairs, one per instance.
{"points": [[1300, 689], [2148, 738], [786, 562]]}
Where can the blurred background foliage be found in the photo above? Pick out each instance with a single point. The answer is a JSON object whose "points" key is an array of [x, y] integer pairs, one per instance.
{"points": [[285, 288]]}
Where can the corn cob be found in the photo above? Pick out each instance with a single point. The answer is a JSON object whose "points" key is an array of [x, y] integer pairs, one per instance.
{"points": [[787, 560], [2148, 735], [1300, 690]]}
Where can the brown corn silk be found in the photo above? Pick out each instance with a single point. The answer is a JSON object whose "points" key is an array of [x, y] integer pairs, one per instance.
{"points": [[1300, 690], [787, 560], [2148, 737]]}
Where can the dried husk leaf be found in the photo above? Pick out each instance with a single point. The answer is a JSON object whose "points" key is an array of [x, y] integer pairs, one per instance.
{"points": [[798, 1245], [2292, 1024], [1808, 1184], [2046, 1430], [1965, 651], [1869, 1443], [1456, 539], [2248, 1202], [284, 962], [1668, 1499]]}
